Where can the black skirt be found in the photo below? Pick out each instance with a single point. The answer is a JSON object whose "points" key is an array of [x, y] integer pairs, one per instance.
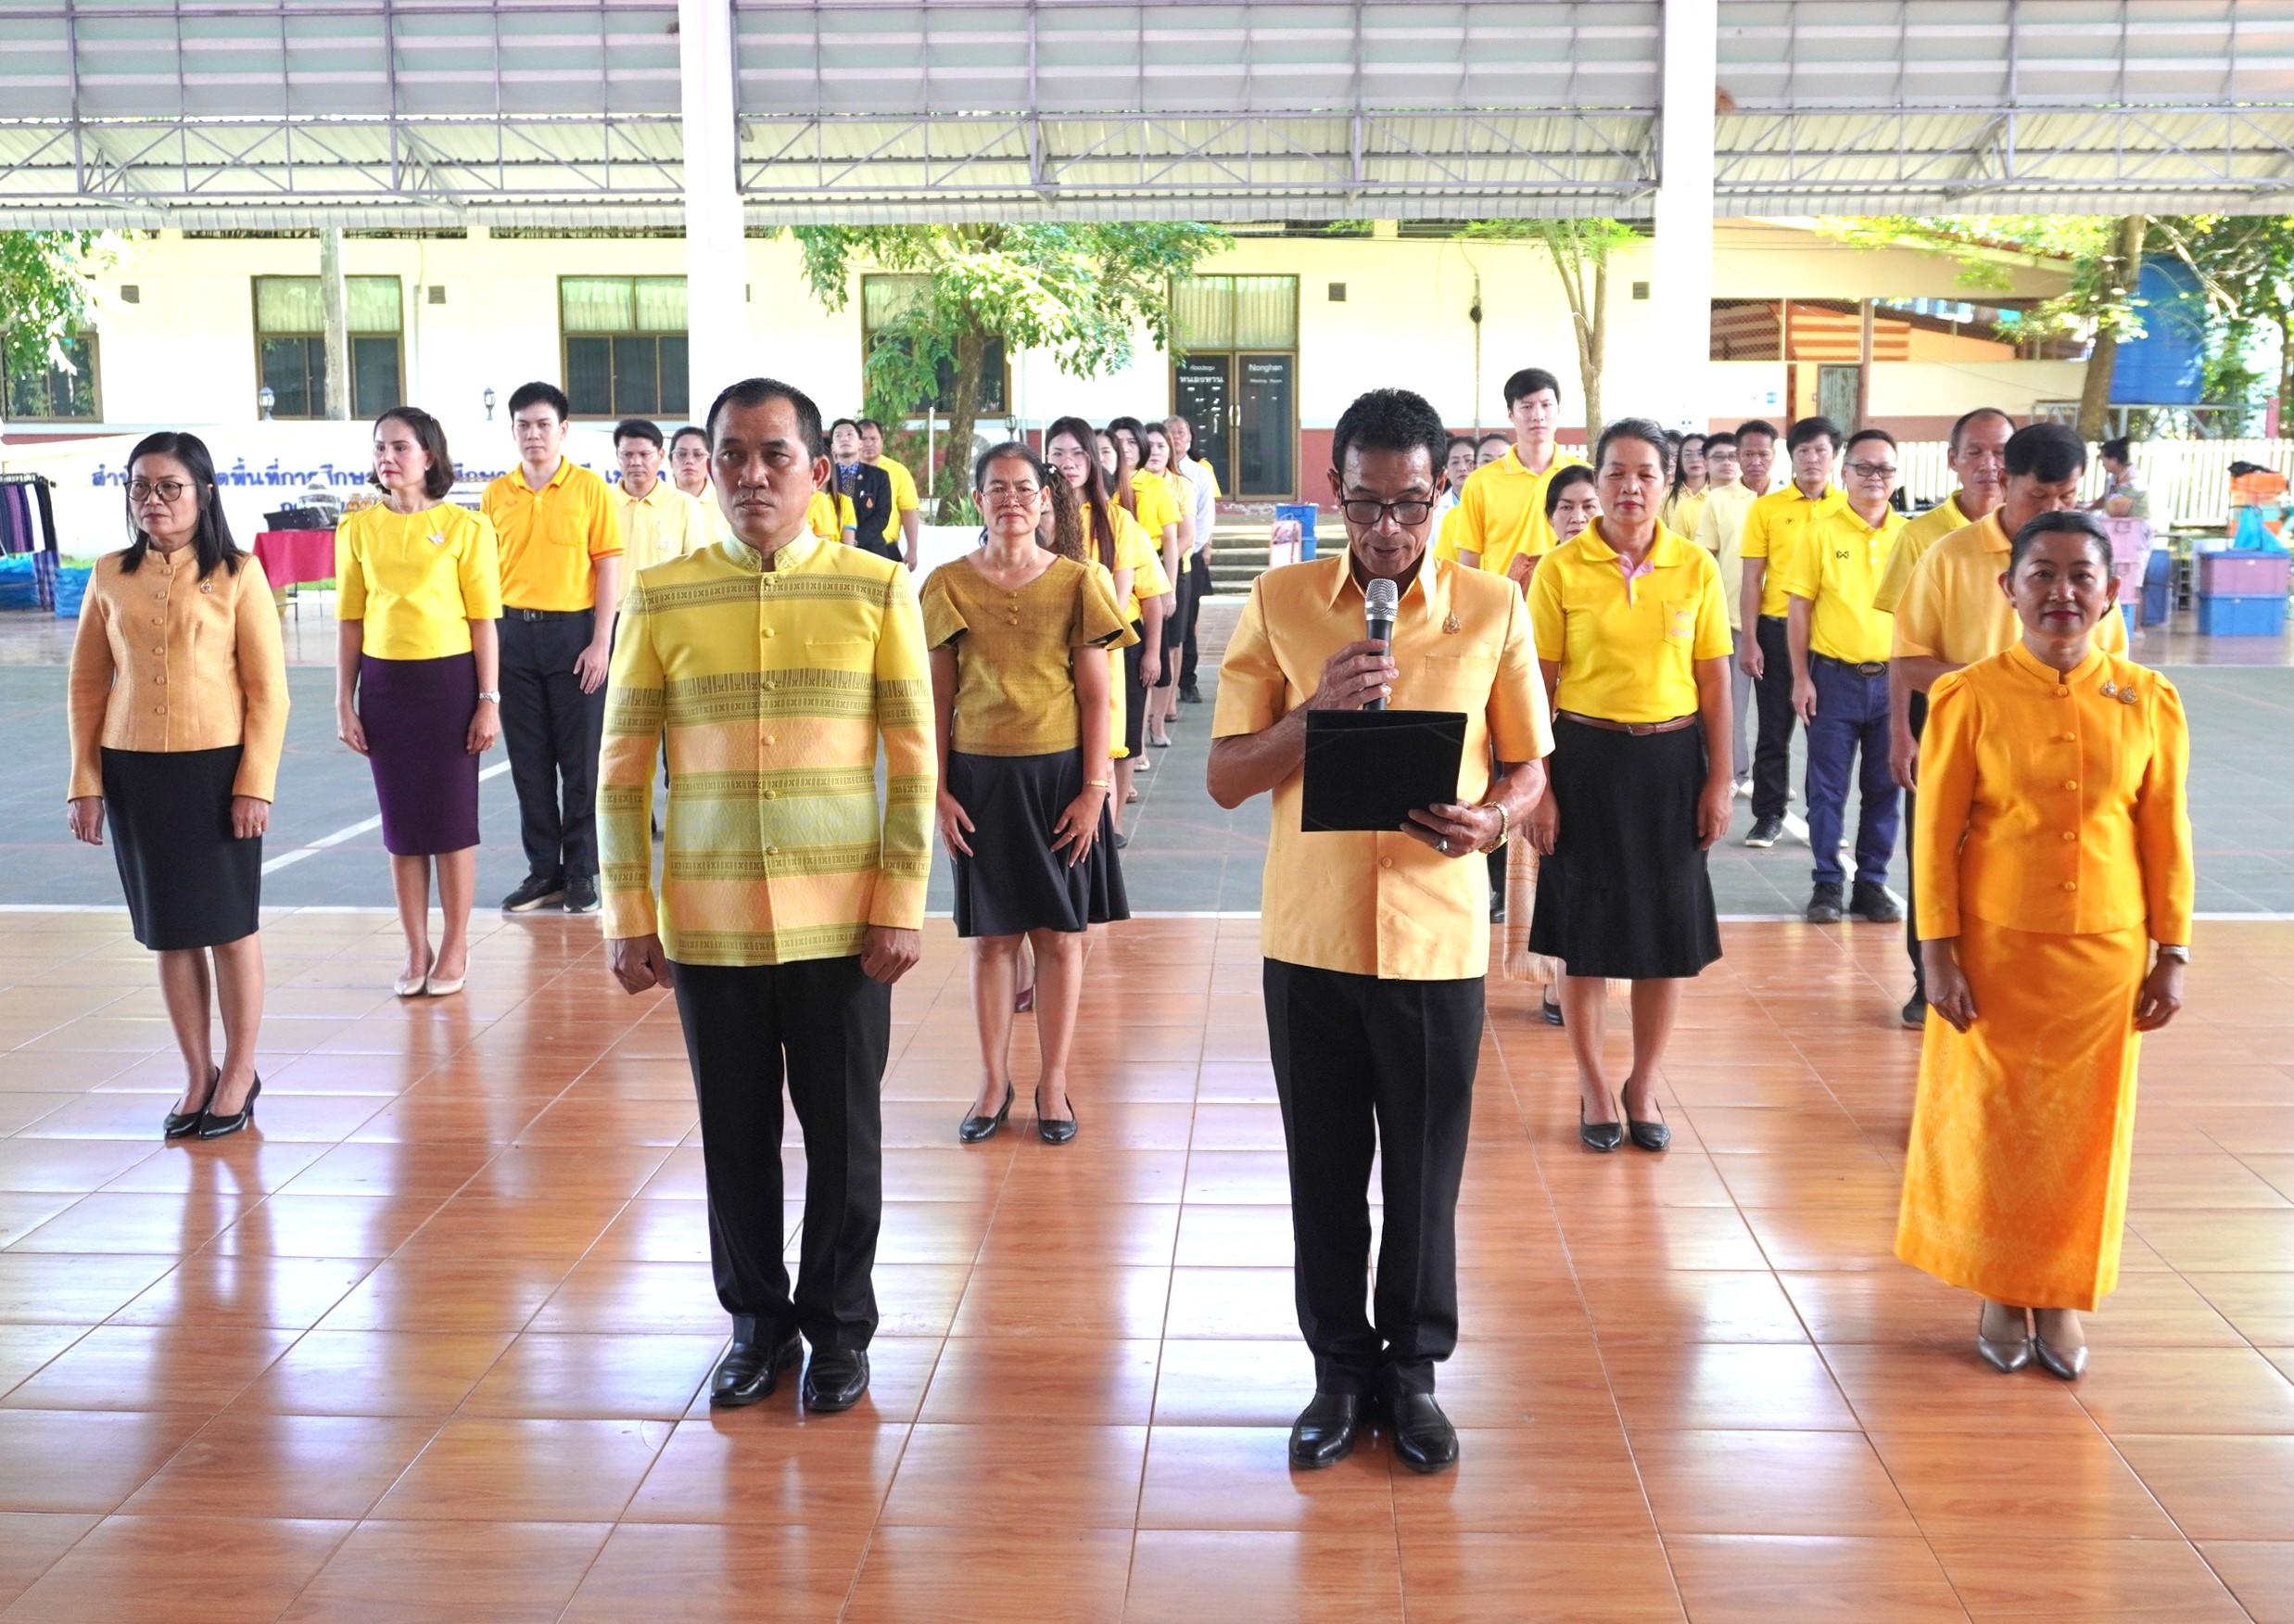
{"points": [[1134, 692], [1626, 893], [416, 714], [189, 882], [1013, 881]]}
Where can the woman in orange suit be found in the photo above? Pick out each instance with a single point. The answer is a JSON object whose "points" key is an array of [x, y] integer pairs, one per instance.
{"points": [[2055, 884]]}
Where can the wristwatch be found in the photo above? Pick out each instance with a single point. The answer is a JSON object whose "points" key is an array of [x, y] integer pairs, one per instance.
{"points": [[490, 695], [1504, 824], [2172, 950]]}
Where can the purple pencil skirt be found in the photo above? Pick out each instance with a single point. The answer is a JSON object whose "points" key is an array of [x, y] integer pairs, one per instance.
{"points": [[416, 714]]}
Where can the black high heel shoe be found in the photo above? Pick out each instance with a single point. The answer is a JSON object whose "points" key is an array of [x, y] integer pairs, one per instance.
{"points": [[973, 1129], [1599, 1135], [1653, 1136], [182, 1125], [218, 1127], [1052, 1133]]}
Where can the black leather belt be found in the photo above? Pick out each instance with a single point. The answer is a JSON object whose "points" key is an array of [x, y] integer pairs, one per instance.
{"points": [[545, 613], [1862, 668]]}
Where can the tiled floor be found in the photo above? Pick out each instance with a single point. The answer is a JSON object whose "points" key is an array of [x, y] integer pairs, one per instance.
{"points": [[429, 1347]]}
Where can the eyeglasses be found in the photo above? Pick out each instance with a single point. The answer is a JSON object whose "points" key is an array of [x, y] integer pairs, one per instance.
{"points": [[1872, 470], [1370, 513], [166, 489], [1025, 491]]}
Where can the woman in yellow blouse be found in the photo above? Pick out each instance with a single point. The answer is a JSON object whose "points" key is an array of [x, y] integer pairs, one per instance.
{"points": [[1684, 504], [178, 711], [1634, 638], [2053, 851], [1150, 501], [1156, 467], [1020, 686], [417, 681]]}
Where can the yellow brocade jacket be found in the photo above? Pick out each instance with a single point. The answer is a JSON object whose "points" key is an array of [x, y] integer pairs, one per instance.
{"points": [[2055, 805]]}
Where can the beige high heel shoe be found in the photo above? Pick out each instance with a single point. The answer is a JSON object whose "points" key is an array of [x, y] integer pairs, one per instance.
{"points": [[412, 987]]}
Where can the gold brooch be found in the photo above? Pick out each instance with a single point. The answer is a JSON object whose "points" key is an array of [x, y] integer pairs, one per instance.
{"points": [[2110, 689], [1449, 624], [2126, 696]]}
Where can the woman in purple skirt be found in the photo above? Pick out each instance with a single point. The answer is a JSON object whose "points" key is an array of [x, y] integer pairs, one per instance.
{"points": [[417, 678]]}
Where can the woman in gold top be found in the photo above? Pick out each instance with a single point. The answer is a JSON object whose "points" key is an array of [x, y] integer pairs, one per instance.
{"points": [[1684, 504], [417, 681], [1157, 464], [178, 711], [1019, 695], [2053, 852], [1148, 501]]}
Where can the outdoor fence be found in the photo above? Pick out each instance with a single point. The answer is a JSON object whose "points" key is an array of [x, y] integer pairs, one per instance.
{"points": [[2188, 480]]}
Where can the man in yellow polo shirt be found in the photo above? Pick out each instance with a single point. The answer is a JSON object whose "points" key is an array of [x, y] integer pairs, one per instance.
{"points": [[1953, 613], [1499, 519], [658, 521], [907, 508], [1772, 528], [561, 581], [1376, 942], [1977, 457], [1839, 644]]}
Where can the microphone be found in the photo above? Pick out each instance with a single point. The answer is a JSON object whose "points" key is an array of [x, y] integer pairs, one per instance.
{"points": [[1379, 601]]}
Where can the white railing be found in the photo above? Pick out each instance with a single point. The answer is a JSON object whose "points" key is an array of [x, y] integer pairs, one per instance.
{"points": [[2188, 480]]}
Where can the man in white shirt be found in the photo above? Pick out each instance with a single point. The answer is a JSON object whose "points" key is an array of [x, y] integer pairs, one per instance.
{"points": [[1195, 579]]}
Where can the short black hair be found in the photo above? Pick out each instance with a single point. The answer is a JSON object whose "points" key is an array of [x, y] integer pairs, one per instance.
{"points": [[1455, 442], [2063, 521], [695, 430], [1714, 441], [1861, 435], [541, 394], [1503, 439], [430, 433], [1564, 481], [1528, 381], [1968, 419], [756, 392], [1755, 426], [1632, 428], [637, 428], [866, 424], [2051, 451], [2119, 449], [851, 423], [1389, 420], [1810, 429]]}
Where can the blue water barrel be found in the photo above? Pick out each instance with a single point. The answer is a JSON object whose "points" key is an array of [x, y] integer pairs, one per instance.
{"points": [[2164, 367]]}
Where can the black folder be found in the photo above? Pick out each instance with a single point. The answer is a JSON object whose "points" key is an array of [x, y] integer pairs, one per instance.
{"points": [[1371, 770]]}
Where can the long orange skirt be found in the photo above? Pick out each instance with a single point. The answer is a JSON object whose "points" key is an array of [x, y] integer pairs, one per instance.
{"points": [[2015, 1182]]}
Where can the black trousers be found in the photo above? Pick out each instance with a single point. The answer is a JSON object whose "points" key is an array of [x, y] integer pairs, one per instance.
{"points": [[1772, 699], [833, 1027], [1919, 712], [553, 730], [1196, 576], [1364, 1065]]}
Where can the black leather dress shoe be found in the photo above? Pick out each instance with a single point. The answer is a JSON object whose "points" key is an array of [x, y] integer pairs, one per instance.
{"points": [[749, 1373], [212, 1126], [1053, 1130], [1422, 1434], [1653, 1135], [1598, 1136], [1323, 1434], [182, 1125], [973, 1129], [835, 1379]]}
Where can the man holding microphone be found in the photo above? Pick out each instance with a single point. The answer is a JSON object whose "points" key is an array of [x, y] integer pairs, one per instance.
{"points": [[1376, 942]]}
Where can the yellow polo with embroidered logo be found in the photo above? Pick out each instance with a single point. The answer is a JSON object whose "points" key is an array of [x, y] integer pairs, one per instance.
{"points": [[774, 688], [1838, 566], [1369, 903], [1500, 511], [1920, 534], [1627, 648], [1772, 528], [663, 524], [551, 537], [1952, 608]]}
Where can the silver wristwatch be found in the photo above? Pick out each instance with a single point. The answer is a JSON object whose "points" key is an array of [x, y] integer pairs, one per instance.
{"points": [[2169, 950], [490, 695]]}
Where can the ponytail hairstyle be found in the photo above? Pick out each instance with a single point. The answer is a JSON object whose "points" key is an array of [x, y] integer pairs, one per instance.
{"points": [[210, 539], [1096, 524]]}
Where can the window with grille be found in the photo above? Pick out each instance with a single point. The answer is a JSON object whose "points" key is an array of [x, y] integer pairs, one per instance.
{"points": [[58, 392], [625, 342], [290, 344]]}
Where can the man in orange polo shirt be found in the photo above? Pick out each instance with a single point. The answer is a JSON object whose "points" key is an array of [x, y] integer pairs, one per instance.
{"points": [[561, 579], [1376, 942]]}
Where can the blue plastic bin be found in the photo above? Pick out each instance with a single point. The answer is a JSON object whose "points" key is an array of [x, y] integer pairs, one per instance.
{"points": [[2224, 615], [1303, 512], [71, 586], [2158, 602]]}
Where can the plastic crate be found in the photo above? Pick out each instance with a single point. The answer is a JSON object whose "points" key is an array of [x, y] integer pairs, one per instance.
{"points": [[1301, 513], [2226, 616], [2158, 602], [71, 586], [2245, 575]]}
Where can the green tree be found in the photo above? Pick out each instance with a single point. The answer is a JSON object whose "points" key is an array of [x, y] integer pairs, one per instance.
{"points": [[2245, 266], [1580, 251], [44, 293], [1077, 290]]}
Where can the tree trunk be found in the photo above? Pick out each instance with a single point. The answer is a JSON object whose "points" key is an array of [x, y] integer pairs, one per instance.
{"points": [[953, 483], [2122, 275], [1591, 341]]}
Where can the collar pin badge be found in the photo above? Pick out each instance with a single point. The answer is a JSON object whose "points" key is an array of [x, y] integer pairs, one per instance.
{"points": [[2110, 689], [2126, 696], [1450, 623]]}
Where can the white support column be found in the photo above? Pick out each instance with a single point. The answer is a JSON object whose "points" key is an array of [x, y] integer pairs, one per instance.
{"points": [[716, 257], [1681, 291]]}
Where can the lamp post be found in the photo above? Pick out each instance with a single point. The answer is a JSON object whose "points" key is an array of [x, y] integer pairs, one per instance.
{"points": [[265, 398], [489, 403]]}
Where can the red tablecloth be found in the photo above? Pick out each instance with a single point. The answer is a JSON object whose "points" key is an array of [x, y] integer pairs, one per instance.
{"points": [[288, 556]]}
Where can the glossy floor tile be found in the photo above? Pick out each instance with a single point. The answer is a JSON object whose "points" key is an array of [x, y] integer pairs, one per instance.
{"points": [[433, 1343]]}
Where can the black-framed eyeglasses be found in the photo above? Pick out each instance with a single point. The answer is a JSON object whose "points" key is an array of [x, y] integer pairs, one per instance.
{"points": [[165, 490], [1872, 470], [1368, 514]]}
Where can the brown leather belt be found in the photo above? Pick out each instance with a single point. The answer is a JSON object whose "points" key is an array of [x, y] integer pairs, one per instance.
{"points": [[1639, 729]]}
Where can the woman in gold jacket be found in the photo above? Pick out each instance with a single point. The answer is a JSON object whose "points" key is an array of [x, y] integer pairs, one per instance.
{"points": [[2053, 852]]}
